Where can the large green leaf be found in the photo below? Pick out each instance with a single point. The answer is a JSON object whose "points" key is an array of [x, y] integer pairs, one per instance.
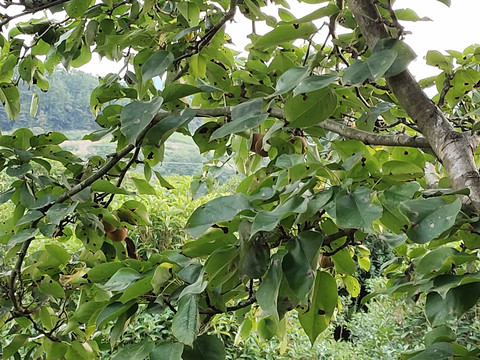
{"points": [[157, 64], [405, 55], [357, 210], [206, 347], [136, 116], [283, 33], [185, 321], [309, 109], [267, 293], [314, 82], [380, 61], [456, 302], [323, 304], [297, 270], [290, 79], [137, 289], [244, 116], [220, 209], [121, 280], [429, 217]]}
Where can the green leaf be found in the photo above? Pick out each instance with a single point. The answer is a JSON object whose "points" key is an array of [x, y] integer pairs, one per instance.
{"points": [[76, 8], [380, 61], [136, 116], [167, 351], [157, 64], [436, 58], [314, 82], [106, 186], [284, 33], [254, 257], [113, 311], [51, 287], [356, 73], [344, 264], [17, 342], [23, 235], [409, 15], [221, 265], [244, 116], [10, 98], [206, 347], [134, 351], [456, 302], [297, 270], [356, 210], [309, 109], [163, 273], [220, 209], [144, 187], [34, 104], [267, 293], [405, 55], [185, 321], [441, 333], [137, 289], [212, 240], [268, 220], [290, 79], [121, 280], [429, 217], [437, 351], [323, 304], [352, 285], [104, 271], [177, 91]]}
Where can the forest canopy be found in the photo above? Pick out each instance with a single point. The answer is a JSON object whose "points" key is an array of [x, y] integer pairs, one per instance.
{"points": [[336, 141]]}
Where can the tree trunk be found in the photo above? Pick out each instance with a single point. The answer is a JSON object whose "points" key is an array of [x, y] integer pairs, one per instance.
{"points": [[454, 150]]}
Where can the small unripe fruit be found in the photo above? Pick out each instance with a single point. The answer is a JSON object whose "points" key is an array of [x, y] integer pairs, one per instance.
{"points": [[325, 262], [257, 145], [303, 141], [108, 227], [118, 235]]}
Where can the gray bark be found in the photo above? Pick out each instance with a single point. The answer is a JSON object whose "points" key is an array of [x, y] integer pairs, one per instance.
{"points": [[454, 150]]}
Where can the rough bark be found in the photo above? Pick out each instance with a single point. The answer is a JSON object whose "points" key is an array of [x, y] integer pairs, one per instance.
{"points": [[454, 150]]}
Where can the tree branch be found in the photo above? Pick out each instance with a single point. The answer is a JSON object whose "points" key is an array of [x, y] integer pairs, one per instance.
{"points": [[339, 128], [455, 150], [205, 40]]}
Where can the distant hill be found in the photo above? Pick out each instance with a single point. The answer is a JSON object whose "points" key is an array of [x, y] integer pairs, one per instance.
{"points": [[64, 107]]}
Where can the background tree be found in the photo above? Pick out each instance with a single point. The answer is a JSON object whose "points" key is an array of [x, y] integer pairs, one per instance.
{"points": [[336, 140]]}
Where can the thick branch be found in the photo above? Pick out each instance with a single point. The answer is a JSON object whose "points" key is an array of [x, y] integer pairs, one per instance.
{"points": [[341, 129], [455, 150]]}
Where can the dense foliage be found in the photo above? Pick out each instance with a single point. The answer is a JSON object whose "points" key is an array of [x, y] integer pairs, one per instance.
{"points": [[338, 145]]}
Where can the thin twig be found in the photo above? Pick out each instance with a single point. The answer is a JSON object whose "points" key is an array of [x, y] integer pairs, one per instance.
{"points": [[205, 40]]}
